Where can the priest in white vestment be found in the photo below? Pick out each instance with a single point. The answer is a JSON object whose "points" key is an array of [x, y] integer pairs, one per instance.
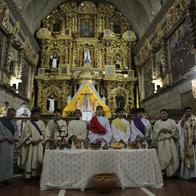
{"points": [[140, 126], [187, 141], [8, 136], [166, 135], [77, 128], [32, 145], [54, 128], [120, 128], [99, 128]]}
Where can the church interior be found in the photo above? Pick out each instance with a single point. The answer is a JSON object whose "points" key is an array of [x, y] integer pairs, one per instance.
{"points": [[77, 55]]}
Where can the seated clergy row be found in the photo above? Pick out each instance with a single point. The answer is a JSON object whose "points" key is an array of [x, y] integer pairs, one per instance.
{"points": [[35, 136]]}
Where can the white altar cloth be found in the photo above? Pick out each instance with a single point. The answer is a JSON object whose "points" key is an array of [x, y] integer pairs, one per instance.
{"points": [[73, 169]]}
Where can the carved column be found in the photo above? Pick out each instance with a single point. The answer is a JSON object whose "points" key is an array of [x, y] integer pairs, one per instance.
{"points": [[191, 17]]}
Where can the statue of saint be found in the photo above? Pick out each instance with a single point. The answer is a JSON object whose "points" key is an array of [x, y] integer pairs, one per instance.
{"points": [[87, 55], [95, 105], [104, 99], [118, 61], [51, 103], [54, 61], [78, 104], [68, 99]]}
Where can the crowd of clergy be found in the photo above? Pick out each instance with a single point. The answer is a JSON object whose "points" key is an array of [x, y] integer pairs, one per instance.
{"points": [[175, 141]]}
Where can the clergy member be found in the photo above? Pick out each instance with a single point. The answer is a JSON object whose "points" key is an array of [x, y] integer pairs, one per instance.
{"points": [[99, 128], [140, 126], [8, 136], [54, 127], [120, 128], [32, 145], [77, 128], [165, 133], [187, 133]]}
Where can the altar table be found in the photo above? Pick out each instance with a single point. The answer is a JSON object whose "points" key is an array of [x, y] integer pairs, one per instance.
{"points": [[73, 169]]}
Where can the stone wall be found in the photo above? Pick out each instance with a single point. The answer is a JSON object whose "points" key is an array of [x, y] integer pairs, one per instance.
{"points": [[167, 98], [14, 100]]}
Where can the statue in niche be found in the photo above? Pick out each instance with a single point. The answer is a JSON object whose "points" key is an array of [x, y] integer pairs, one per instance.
{"points": [[117, 61], [95, 105], [57, 26], [120, 101], [87, 55], [54, 61], [68, 99], [78, 104], [51, 103], [104, 99]]}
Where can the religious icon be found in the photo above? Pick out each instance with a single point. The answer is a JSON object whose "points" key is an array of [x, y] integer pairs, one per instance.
{"points": [[41, 71], [86, 28], [110, 70], [87, 56], [118, 62], [51, 103], [78, 104], [120, 101], [54, 61], [68, 99]]}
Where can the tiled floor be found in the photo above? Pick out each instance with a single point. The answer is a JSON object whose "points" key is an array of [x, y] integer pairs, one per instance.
{"points": [[172, 187]]}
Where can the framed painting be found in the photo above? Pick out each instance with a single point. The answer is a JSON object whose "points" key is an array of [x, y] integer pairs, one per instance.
{"points": [[180, 57], [148, 85], [160, 63], [41, 72], [64, 70], [86, 27], [110, 70]]}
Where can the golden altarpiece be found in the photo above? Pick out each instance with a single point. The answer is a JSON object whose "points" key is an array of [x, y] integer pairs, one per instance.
{"points": [[86, 42]]}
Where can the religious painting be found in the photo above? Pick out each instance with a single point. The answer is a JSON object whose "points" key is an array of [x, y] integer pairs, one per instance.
{"points": [[23, 86], [41, 72], [180, 57], [131, 73], [160, 64], [87, 55], [64, 70], [148, 85], [86, 28], [110, 70]]}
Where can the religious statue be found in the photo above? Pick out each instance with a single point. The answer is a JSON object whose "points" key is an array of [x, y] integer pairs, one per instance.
{"points": [[95, 105], [78, 104], [68, 99], [104, 99], [120, 101], [54, 61], [51, 103], [87, 56], [117, 61]]}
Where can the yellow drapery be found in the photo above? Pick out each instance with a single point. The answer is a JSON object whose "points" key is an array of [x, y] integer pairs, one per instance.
{"points": [[72, 106]]}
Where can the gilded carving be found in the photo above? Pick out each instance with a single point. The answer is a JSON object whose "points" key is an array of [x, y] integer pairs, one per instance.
{"points": [[87, 38]]}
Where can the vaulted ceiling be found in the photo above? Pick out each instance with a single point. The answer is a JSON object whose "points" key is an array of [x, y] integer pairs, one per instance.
{"points": [[138, 12]]}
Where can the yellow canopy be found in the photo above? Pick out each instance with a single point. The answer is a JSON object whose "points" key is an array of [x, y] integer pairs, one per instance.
{"points": [[79, 99]]}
